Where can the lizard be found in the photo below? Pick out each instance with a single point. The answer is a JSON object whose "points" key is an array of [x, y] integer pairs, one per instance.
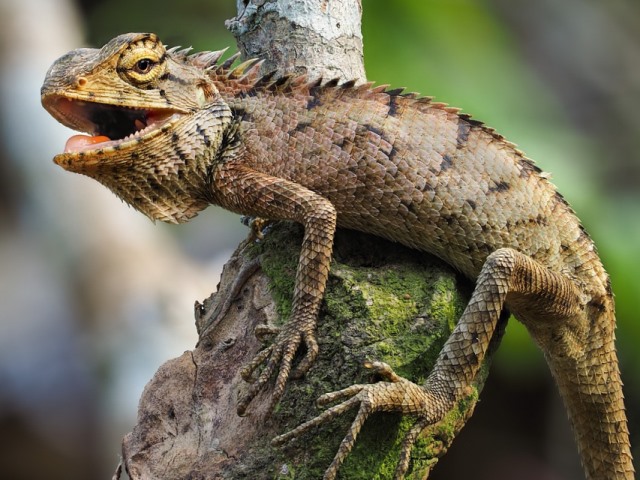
{"points": [[171, 132]]}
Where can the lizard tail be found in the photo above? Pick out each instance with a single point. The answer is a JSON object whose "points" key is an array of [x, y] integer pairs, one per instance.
{"points": [[591, 388]]}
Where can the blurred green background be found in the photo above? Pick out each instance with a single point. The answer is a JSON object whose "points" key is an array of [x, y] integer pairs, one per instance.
{"points": [[560, 79]]}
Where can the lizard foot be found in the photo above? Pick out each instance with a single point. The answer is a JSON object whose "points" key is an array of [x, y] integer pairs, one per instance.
{"points": [[259, 226], [396, 394], [281, 353]]}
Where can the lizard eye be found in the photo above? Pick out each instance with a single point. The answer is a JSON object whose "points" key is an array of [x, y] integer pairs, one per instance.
{"points": [[144, 66], [142, 63]]}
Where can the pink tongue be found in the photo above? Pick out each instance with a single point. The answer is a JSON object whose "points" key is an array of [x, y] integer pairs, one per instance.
{"points": [[78, 143]]}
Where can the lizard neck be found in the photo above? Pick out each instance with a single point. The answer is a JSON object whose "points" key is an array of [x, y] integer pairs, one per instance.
{"points": [[167, 177]]}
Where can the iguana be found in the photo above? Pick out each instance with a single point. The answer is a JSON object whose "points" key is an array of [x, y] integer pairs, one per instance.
{"points": [[172, 132]]}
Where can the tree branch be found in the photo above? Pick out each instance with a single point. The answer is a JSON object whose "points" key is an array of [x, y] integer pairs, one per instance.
{"points": [[318, 37]]}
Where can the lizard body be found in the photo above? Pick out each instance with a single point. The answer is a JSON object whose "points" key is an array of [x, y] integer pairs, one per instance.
{"points": [[173, 133]]}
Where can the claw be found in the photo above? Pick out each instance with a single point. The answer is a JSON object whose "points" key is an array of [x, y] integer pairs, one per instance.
{"points": [[348, 442], [331, 397], [257, 384], [285, 358], [350, 438], [263, 331], [281, 353], [308, 360], [384, 370], [407, 445], [324, 417], [259, 226], [396, 394], [246, 372]]}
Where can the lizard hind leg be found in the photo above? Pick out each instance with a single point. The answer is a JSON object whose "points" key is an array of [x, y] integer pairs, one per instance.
{"points": [[505, 271]]}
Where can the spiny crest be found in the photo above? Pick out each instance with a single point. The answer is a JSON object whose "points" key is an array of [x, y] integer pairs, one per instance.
{"points": [[179, 53], [229, 61], [245, 79], [205, 60], [246, 75], [209, 61]]}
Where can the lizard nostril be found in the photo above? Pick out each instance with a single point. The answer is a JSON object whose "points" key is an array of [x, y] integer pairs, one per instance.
{"points": [[81, 82]]}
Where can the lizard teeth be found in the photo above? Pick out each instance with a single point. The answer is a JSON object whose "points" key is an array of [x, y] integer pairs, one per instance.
{"points": [[140, 125], [148, 122]]}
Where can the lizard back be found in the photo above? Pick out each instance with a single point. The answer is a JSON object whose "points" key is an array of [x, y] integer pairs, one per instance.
{"points": [[408, 169]]}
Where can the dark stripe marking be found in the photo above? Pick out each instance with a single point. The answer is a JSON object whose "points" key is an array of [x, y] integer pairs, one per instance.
{"points": [[598, 305], [241, 114], [501, 186], [449, 219], [200, 131], [447, 162], [173, 78], [393, 106], [313, 102], [392, 153], [528, 167], [375, 130], [410, 206], [301, 126], [464, 128]]}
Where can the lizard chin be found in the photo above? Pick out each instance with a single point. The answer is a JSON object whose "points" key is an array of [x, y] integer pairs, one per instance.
{"points": [[108, 127]]}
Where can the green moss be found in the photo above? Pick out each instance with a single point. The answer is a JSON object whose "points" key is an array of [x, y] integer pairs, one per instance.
{"points": [[382, 302], [279, 253]]}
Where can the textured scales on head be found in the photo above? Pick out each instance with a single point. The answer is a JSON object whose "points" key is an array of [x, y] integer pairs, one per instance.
{"points": [[155, 123]]}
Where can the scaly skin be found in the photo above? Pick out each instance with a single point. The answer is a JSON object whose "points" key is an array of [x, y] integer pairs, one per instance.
{"points": [[392, 164]]}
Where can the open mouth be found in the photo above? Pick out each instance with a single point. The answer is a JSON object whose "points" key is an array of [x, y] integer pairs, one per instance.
{"points": [[106, 125]]}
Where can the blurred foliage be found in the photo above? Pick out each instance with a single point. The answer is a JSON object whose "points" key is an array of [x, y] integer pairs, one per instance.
{"points": [[196, 23], [465, 54]]}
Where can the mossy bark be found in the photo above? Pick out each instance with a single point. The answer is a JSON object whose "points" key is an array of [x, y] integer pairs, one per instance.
{"points": [[383, 302]]}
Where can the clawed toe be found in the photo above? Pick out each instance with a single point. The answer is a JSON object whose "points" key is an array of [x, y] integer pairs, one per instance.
{"points": [[247, 371], [384, 370], [277, 357], [263, 332], [396, 394]]}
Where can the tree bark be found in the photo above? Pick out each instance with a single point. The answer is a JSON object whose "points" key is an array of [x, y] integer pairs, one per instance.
{"points": [[320, 38], [383, 302]]}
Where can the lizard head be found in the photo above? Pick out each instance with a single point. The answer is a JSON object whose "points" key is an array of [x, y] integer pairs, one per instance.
{"points": [[153, 123]]}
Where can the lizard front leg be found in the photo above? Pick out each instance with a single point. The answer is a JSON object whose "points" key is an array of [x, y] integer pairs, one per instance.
{"points": [[244, 190], [549, 296]]}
